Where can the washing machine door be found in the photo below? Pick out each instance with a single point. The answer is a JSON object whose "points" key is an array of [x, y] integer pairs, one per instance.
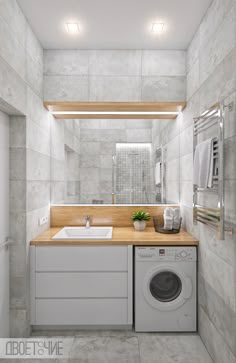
{"points": [[166, 288]]}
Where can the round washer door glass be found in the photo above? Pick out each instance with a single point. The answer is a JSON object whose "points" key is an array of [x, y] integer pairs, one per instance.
{"points": [[165, 286]]}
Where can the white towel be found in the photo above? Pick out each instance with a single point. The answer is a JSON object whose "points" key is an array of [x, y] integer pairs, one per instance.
{"points": [[158, 173], [176, 218], [203, 164]]}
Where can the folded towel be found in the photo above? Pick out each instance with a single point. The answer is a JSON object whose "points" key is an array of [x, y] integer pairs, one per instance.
{"points": [[158, 173], [176, 218], [203, 164], [168, 218]]}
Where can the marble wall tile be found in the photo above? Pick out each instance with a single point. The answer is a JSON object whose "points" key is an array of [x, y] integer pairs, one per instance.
{"points": [[15, 92], [213, 341], [17, 196], [219, 47], [17, 131], [38, 166], [13, 16], [218, 274], [89, 187], [230, 116], [106, 161], [230, 159], [17, 164], [57, 192], [186, 141], [33, 227], [115, 62], [38, 139], [34, 76], [57, 169], [163, 89], [192, 110], [230, 200], [172, 170], [186, 193], [213, 19], [220, 84], [36, 111], [225, 250], [114, 88], [193, 80], [186, 167], [33, 46], [90, 124], [66, 88], [172, 149], [18, 326], [87, 147], [103, 136], [17, 226], [136, 124], [172, 191], [18, 286], [89, 161], [18, 260], [89, 174], [164, 63], [9, 46], [193, 51], [138, 135], [38, 194], [115, 124], [66, 62]]}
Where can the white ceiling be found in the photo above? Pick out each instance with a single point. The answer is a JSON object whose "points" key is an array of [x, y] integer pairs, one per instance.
{"points": [[110, 24]]}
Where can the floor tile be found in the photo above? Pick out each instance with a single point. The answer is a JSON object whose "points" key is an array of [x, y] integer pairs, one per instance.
{"points": [[172, 348], [119, 349]]}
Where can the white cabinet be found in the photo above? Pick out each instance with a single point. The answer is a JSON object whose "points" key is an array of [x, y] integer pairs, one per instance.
{"points": [[81, 285]]}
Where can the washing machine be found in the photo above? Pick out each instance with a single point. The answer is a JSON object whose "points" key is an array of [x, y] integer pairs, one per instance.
{"points": [[165, 289]]}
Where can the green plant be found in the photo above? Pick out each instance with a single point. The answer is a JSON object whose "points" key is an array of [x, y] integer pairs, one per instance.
{"points": [[141, 216]]}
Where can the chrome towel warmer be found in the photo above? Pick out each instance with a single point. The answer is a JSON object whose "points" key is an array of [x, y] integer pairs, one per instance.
{"points": [[159, 157], [212, 217]]}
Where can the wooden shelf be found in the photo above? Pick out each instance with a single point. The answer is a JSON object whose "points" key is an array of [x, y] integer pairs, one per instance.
{"points": [[66, 109]]}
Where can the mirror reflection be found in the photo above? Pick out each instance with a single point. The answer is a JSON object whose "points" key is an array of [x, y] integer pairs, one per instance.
{"points": [[114, 162]]}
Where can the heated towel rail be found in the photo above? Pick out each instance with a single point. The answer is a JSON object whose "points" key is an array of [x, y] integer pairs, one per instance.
{"points": [[159, 157], [212, 217]]}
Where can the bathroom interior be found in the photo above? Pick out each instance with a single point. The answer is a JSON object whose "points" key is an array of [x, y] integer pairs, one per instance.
{"points": [[118, 180]]}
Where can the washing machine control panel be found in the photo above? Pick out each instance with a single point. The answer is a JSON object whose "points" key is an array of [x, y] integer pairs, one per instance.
{"points": [[166, 253]]}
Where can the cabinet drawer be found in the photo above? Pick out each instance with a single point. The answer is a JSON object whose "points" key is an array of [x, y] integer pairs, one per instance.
{"points": [[82, 284], [81, 258], [81, 311]]}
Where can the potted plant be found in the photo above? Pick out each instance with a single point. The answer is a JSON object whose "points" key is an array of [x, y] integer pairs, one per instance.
{"points": [[140, 219]]}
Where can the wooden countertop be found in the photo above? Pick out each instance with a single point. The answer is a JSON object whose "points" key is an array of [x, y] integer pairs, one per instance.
{"points": [[122, 236]]}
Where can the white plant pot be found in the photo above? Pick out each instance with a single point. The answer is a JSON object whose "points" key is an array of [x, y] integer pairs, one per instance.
{"points": [[139, 225]]}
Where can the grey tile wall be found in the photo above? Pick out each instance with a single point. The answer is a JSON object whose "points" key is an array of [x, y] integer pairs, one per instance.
{"points": [[114, 75], [21, 73], [211, 77]]}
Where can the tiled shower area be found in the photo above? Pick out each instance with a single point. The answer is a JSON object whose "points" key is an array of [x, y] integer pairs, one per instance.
{"points": [[133, 177]]}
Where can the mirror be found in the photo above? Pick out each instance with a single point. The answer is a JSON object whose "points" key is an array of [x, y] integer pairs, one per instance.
{"points": [[100, 161]]}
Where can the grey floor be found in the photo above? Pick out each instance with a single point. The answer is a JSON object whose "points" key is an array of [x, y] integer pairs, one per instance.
{"points": [[131, 347]]}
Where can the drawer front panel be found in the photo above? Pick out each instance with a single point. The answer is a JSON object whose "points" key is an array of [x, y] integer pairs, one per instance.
{"points": [[82, 284], [81, 258], [81, 311]]}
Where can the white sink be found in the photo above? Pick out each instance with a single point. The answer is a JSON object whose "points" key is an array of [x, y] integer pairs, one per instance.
{"points": [[70, 233]]}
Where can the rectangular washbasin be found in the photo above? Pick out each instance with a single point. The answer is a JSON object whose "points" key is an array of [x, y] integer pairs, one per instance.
{"points": [[73, 233]]}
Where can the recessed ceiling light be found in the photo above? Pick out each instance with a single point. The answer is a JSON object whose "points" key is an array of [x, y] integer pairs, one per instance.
{"points": [[73, 28], [157, 28]]}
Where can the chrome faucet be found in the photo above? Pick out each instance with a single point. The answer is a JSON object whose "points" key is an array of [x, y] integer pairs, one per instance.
{"points": [[87, 222]]}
